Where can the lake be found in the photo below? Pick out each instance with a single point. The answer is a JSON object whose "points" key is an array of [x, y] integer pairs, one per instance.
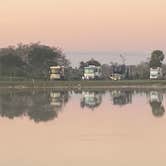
{"points": [[83, 127]]}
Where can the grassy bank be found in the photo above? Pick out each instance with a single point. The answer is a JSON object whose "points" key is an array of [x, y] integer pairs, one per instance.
{"points": [[81, 84]]}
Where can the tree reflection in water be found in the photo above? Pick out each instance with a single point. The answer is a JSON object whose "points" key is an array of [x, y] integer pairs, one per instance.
{"points": [[155, 101], [38, 105], [12, 105], [45, 105], [40, 108]]}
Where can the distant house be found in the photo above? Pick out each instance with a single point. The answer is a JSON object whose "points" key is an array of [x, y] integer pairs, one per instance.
{"points": [[92, 72], [56, 72], [156, 73]]}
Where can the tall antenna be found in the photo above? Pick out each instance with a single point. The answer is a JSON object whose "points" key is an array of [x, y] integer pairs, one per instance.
{"points": [[123, 59]]}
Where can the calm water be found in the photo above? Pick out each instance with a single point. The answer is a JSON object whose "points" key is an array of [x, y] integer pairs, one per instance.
{"points": [[92, 128]]}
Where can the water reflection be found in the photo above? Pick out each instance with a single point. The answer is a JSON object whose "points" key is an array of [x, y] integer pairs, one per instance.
{"points": [[121, 97], [156, 103], [12, 105], [58, 99], [38, 105], [91, 99], [45, 105]]}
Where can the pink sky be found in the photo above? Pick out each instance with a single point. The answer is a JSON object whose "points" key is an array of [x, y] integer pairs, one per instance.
{"points": [[85, 25]]}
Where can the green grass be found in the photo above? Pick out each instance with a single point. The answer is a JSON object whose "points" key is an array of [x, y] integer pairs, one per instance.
{"points": [[80, 84]]}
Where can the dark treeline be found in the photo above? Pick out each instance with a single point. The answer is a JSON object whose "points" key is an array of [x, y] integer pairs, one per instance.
{"points": [[32, 61]]}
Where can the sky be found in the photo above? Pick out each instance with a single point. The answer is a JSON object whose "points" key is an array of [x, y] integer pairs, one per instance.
{"points": [[85, 25]]}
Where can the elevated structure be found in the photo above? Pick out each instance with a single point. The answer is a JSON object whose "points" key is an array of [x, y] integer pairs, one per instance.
{"points": [[156, 73], [92, 72], [56, 72]]}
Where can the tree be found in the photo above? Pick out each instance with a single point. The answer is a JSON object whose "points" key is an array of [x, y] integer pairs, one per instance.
{"points": [[82, 65], [12, 65], [73, 73], [89, 62], [41, 57], [142, 70], [106, 70], [93, 62], [157, 57], [32, 60]]}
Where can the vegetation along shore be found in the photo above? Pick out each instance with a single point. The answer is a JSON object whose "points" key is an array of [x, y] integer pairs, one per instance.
{"points": [[36, 65], [84, 84]]}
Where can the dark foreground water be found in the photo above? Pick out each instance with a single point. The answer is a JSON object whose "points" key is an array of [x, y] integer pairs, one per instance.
{"points": [[98, 127]]}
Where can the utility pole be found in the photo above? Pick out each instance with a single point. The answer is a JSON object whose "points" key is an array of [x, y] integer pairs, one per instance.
{"points": [[123, 59]]}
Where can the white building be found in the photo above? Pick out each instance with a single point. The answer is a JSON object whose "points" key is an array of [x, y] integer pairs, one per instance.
{"points": [[56, 72], [156, 73], [92, 72]]}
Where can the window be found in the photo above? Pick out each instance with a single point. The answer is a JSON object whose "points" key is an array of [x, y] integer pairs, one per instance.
{"points": [[89, 71]]}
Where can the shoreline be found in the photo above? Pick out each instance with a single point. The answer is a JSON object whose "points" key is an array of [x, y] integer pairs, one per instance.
{"points": [[67, 85]]}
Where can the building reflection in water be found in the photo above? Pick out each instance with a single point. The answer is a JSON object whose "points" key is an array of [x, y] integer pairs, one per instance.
{"points": [[121, 97], [91, 99], [156, 103], [58, 99], [45, 105], [37, 105]]}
